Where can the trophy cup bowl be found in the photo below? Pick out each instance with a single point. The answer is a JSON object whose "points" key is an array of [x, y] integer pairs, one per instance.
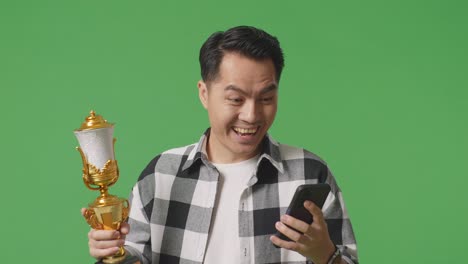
{"points": [[100, 171]]}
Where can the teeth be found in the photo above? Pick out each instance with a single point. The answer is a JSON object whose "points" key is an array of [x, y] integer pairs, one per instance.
{"points": [[245, 130]]}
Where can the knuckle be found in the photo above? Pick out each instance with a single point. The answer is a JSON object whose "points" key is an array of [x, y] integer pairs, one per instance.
{"points": [[102, 244], [283, 245], [92, 234], [283, 228], [303, 227], [120, 243], [312, 205], [97, 244], [295, 236], [316, 210], [292, 246], [280, 226]]}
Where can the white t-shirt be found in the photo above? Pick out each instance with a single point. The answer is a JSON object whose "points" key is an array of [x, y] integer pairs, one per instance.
{"points": [[223, 242]]}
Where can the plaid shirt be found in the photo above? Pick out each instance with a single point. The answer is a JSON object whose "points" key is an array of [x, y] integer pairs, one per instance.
{"points": [[172, 205]]}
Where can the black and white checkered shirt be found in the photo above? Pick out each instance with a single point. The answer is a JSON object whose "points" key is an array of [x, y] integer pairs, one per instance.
{"points": [[172, 205]]}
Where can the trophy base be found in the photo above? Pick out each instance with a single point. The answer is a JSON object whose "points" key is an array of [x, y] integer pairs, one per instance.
{"points": [[127, 260]]}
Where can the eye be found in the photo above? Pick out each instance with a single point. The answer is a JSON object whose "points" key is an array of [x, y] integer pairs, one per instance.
{"points": [[267, 100], [235, 100]]}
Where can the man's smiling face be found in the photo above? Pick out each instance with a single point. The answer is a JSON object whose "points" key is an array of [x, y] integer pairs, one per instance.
{"points": [[241, 104]]}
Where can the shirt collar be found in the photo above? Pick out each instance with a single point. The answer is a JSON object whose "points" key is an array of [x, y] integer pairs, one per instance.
{"points": [[269, 151]]}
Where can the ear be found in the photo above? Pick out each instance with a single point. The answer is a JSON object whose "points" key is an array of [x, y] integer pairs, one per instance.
{"points": [[203, 93]]}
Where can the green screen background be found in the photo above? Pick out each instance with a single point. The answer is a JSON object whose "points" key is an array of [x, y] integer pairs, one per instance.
{"points": [[376, 88]]}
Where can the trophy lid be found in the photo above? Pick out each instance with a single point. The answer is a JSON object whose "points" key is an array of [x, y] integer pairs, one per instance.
{"points": [[94, 121]]}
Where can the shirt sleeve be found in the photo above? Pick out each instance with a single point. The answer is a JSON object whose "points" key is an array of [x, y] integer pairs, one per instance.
{"points": [[339, 225], [138, 241]]}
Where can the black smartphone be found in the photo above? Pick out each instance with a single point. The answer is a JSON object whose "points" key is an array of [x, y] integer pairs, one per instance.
{"points": [[316, 193]]}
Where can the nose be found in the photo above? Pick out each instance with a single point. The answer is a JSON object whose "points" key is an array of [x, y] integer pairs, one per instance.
{"points": [[249, 112]]}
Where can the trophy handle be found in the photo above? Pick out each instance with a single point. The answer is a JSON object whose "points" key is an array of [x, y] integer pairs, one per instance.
{"points": [[90, 217], [86, 182], [125, 209]]}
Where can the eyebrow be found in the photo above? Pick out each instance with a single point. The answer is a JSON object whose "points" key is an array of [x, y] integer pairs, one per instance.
{"points": [[265, 90]]}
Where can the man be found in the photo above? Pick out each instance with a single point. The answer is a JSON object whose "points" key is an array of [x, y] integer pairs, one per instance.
{"points": [[222, 199]]}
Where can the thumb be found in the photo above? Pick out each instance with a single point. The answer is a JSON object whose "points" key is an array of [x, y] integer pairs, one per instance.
{"points": [[125, 228], [315, 211]]}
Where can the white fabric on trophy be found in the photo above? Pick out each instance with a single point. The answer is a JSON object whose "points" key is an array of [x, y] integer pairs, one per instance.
{"points": [[97, 145]]}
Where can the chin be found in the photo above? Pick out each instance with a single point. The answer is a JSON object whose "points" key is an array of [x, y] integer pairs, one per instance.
{"points": [[244, 150]]}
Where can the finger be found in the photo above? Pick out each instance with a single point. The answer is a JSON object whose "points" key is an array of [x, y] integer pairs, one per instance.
{"points": [[104, 244], [100, 253], [315, 211], [124, 228], [103, 234], [288, 232], [283, 243], [83, 210], [295, 223]]}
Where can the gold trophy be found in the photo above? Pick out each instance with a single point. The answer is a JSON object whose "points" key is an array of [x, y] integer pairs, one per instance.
{"points": [[100, 171]]}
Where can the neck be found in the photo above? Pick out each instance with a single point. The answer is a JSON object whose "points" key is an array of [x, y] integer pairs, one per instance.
{"points": [[221, 155]]}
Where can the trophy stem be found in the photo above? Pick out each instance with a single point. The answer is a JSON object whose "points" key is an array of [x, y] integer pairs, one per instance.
{"points": [[104, 192]]}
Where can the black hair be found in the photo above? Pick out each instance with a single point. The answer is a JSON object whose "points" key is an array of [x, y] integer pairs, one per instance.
{"points": [[246, 40]]}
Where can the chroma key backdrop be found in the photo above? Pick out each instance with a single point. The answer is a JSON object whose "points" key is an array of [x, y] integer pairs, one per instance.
{"points": [[378, 89]]}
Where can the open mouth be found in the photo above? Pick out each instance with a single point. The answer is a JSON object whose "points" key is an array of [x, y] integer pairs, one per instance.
{"points": [[245, 131]]}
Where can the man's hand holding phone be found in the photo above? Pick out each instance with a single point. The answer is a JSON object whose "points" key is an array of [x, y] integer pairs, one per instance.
{"points": [[314, 243], [303, 228]]}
